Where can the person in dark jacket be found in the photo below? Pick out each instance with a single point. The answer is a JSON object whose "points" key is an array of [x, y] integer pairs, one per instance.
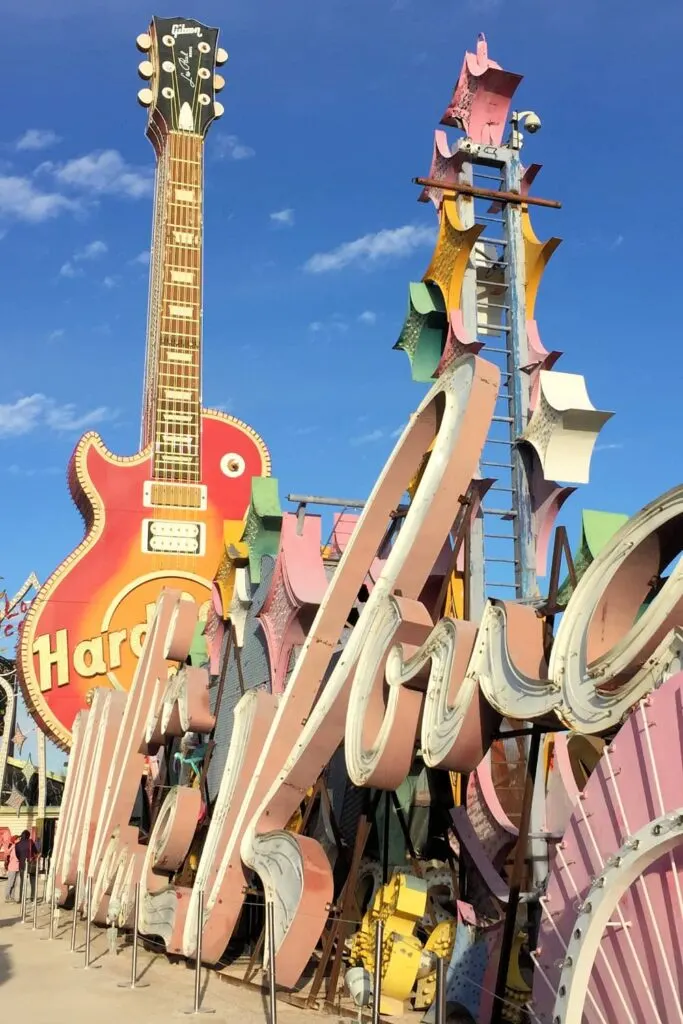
{"points": [[26, 851]]}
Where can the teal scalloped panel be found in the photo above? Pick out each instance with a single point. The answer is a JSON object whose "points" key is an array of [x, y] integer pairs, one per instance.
{"points": [[263, 523], [424, 332]]}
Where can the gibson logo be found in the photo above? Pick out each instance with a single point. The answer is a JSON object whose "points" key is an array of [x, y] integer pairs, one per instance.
{"points": [[181, 29]]}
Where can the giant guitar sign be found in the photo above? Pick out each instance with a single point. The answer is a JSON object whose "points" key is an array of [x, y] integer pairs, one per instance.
{"points": [[156, 518]]}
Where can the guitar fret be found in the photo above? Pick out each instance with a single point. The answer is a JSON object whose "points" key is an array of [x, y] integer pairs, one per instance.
{"points": [[177, 356]]}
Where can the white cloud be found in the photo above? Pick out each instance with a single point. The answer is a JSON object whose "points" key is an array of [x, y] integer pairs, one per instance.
{"points": [[335, 325], [230, 148], [20, 198], [37, 138], [283, 217], [373, 248], [56, 335], [110, 282], [142, 258], [369, 438], [367, 317], [104, 172], [398, 431], [37, 411], [92, 251]]}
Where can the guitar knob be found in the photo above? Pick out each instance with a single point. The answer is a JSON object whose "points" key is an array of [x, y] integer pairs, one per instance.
{"points": [[218, 83], [218, 109], [221, 56], [145, 97], [144, 42], [145, 69]]}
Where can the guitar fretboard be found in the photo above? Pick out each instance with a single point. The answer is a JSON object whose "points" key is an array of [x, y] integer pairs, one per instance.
{"points": [[172, 413]]}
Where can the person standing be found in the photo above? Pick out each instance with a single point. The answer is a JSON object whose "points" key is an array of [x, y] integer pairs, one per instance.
{"points": [[12, 865], [27, 852]]}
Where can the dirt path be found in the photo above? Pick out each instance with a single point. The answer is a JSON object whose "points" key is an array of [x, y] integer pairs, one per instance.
{"points": [[39, 981]]}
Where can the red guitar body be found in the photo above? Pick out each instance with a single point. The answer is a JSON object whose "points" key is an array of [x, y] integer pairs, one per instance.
{"points": [[87, 625]]}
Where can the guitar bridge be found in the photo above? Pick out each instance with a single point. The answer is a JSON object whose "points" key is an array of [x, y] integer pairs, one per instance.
{"points": [[172, 537], [163, 494]]}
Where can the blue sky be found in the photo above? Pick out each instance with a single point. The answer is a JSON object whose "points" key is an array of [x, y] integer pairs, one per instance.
{"points": [[330, 109]]}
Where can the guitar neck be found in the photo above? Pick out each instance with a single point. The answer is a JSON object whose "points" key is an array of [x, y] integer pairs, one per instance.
{"points": [[172, 400]]}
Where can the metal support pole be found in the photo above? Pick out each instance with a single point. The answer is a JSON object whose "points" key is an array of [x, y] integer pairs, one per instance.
{"points": [[270, 918], [198, 1008], [134, 983], [53, 907], [440, 1001], [377, 980], [516, 880], [24, 891], [74, 923]]}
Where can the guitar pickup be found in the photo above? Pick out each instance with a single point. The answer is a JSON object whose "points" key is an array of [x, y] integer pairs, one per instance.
{"points": [[173, 537], [168, 494]]}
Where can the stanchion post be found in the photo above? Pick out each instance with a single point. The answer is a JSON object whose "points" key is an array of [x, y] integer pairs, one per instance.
{"points": [[87, 966], [134, 983], [377, 980], [48, 864], [270, 921], [53, 908], [34, 927], [440, 990], [24, 891], [74, 923], [198, 1008]]}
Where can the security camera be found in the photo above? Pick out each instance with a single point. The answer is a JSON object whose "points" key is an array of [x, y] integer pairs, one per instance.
{"points": [[532, 123]]}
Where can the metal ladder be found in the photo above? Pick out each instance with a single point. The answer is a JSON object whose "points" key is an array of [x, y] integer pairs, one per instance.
{"points": [[490, 256]]}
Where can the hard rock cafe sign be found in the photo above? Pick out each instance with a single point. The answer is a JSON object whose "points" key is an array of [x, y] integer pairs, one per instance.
{"points": [[401, 681]]}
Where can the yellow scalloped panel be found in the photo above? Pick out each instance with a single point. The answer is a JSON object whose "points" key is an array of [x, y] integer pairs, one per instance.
{"points": [[451, 255], [536, 257]]}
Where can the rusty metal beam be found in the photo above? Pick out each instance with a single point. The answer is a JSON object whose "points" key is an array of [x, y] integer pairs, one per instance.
{"points": [[487, 193]]}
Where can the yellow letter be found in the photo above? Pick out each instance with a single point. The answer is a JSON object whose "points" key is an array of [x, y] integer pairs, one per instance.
{"points": [[47, 658], [89, 658]]}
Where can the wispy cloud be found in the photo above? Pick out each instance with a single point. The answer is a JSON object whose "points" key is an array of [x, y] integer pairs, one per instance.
{"points": [[56, 335], [229, 147], [284, 218], [372, 249], [607, 447], [399, 430], [619, 240], [38, 412], [305, 431], [16, 470], [92, 251], [367, 317], [110, 281], [21, 200], [142, 258], [369, 438], [37, 138], [104, 172]]}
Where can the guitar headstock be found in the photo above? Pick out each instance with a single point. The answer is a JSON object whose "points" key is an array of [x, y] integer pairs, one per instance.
{"points": [[182, 55]]}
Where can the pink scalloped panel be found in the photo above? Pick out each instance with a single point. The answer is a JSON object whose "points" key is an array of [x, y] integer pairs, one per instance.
{"points": [[214, 631], [298, 586], [458, 342], [481, 98], [547, 498], [445, 167], [343, 525]]}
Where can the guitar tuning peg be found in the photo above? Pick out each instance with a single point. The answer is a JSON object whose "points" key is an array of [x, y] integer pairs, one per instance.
{"points": [[145, 69], [144, 42], [218, 109], [218, 83], [221, 56], [145, 97]]}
